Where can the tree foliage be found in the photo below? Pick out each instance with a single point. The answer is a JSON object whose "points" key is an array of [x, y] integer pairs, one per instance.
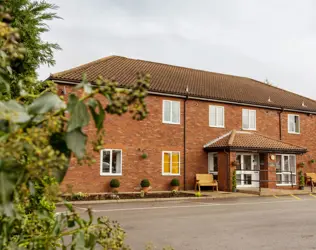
{"points": [[30, 18], [37, 139]]}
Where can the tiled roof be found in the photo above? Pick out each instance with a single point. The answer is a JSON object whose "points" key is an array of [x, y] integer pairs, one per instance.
{"points": [[175, 80], [251, 141]]}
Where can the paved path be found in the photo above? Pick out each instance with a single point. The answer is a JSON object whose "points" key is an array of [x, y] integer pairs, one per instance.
{"points": [[244, 223]]}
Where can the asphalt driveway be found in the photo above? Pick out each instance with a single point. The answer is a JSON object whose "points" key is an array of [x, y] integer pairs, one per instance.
{"points": [[245, 223]]}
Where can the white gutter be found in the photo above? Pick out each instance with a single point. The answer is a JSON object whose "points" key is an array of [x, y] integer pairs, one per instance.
{"points": [[210, 100]]}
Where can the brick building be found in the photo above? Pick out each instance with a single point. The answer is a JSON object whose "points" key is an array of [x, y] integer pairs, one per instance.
{"points": [[199, 122]]}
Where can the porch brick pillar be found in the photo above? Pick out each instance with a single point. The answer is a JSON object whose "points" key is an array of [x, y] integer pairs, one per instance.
{"points": [[270, 175], [232, 168]]}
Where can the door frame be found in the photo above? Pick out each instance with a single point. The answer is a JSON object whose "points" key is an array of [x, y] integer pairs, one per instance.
{"points": [[255, 175]]}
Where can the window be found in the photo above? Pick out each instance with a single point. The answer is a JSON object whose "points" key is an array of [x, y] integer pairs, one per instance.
{"points": [[249, 119], [111, 162], [216, 116], [285, 168], [171, 112], [294, 124], [171, 163], [213, 164]]}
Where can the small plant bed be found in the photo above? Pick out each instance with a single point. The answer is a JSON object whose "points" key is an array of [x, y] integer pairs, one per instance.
{"points": [[123, 196]]}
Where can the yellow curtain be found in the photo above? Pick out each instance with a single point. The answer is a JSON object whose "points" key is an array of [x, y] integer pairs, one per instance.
{"points": [[175, 163], [166, 162]]}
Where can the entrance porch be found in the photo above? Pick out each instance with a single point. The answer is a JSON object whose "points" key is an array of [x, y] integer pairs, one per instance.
{"points": [[254, 160]]}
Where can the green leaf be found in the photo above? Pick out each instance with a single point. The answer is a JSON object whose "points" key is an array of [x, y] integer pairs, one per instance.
{"points": [[46, 103], [78, 242], [7, 185], [97, 117], [17, 112], [76, 142], [79, 114]]}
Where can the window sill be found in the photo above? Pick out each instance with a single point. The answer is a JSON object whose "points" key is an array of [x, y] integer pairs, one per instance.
{"points": [[294, 133], [102, 174], [251, 129], [173, 123], [285, 185], [170, 174], [216, 126]]}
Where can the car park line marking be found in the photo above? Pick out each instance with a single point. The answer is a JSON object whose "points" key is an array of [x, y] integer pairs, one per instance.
{"points": [[295, 197], [275, 196], [189, 206], [312, 195]]}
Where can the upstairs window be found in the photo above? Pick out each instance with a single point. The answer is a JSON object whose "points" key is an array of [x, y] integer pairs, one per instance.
{"points": [[111, 162], [249, 119], [216, 116], [294, 124], [171, 112]]}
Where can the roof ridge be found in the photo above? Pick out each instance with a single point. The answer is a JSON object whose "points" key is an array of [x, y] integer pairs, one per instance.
{"points": [[278, 140], [84, 65]]}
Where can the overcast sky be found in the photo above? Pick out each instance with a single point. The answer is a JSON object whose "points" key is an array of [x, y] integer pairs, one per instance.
{"points": [[274, 40]]}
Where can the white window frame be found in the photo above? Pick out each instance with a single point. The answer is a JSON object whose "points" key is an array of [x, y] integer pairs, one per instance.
{"points": [[163, 170], [163, 112], [242, 118], [111, 155], [288, 124], [287, 172], [216, 122], [211, 164]]}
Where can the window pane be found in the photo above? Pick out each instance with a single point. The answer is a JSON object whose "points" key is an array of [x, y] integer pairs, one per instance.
{"points": [[238, 179], [247, 179], [166, 162], [212, 116], [279, 178], [245, 118], [167, 111], [297, 124], [116, 162], [291, 123], [286, 166], [278, 163], [175, 112], [286, 179], [106, 161], [238, 160], [247, 162], [175, 163], [294, 179], [256, 164], [252, 119], [293, 164], [215, 163], [220, 116]]}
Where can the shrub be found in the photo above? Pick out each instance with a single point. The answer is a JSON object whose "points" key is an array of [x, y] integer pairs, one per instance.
{"points": [[175, 183], [302, 179], [144, 156], [198, 194], [145, 183], [115, 183], [234, 181]]}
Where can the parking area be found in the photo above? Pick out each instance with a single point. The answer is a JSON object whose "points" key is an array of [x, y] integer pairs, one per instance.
{"points": [[280, 222]]}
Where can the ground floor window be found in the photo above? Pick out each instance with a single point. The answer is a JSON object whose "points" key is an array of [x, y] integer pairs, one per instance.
{"points": [[111, 162], [170, 163], [286, 169], [213, 165]]}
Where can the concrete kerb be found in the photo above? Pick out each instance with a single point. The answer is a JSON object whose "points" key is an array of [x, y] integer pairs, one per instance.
{"points": [[154, 200]]}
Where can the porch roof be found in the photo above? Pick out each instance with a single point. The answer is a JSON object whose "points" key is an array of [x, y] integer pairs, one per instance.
{"points": [[251, 141]]}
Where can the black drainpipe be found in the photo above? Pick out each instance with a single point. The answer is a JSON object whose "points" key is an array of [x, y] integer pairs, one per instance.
{"points": [[228, 169], [184, 142], [280, 123]]}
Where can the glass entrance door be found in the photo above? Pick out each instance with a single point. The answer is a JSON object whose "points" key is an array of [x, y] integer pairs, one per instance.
{"points": [[247, 172]]}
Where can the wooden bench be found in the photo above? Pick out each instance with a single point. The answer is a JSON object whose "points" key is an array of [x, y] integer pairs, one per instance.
{"points": [[205, 180], [310, 177]]}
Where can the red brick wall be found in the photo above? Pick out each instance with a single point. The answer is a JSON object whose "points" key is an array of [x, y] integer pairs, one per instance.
{"points": [[152, 136]]}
